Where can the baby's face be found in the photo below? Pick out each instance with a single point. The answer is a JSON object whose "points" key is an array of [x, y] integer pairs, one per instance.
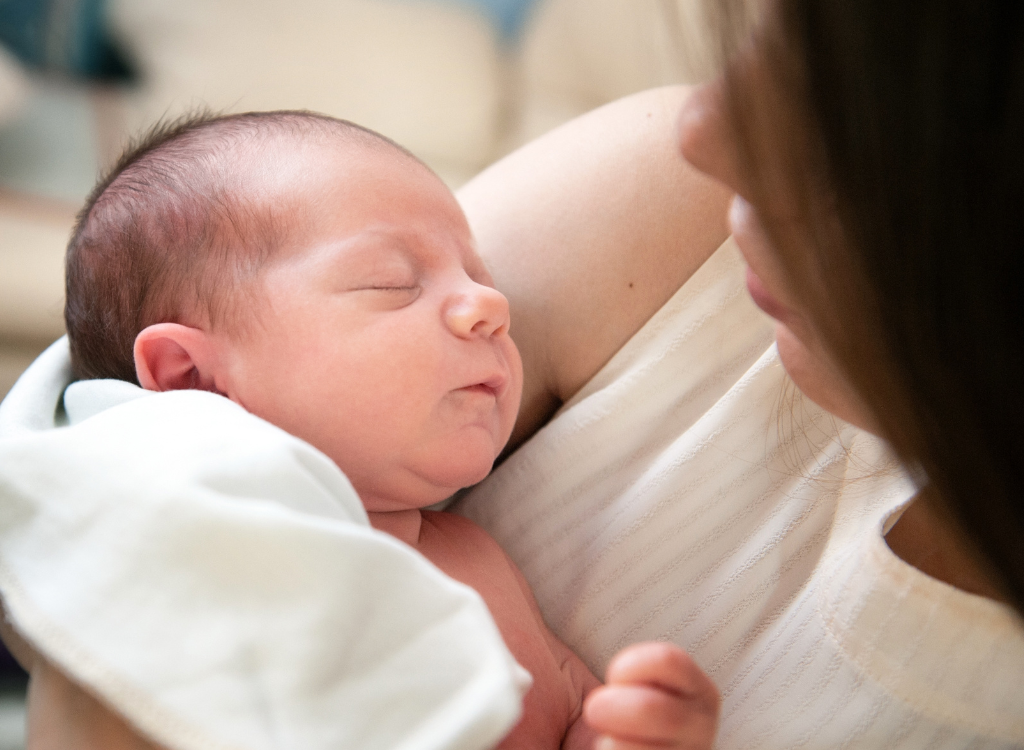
{"points": [[378, 336]]}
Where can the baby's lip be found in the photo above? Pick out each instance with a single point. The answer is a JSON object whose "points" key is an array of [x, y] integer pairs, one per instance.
{"points": [[494, 385]]}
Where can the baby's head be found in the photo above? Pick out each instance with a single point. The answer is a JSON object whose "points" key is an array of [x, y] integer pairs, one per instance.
{"points": [[313, 272]]}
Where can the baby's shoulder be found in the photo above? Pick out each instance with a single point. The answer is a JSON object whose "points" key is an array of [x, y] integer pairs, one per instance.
{"points": [[450, 529], [462, 549]]}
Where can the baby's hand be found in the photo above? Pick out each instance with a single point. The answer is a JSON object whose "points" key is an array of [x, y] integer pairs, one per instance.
{"points": [[654, 696]]}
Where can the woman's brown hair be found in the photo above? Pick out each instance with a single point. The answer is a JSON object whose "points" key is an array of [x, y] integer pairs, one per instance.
{"points": [[902, 128]]}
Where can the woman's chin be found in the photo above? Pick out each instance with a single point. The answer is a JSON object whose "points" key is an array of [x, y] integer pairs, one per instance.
{"points": [[819, 380]]}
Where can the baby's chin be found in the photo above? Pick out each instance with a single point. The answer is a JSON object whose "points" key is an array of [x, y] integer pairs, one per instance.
{"points": [[424, 482], [446, 483]]}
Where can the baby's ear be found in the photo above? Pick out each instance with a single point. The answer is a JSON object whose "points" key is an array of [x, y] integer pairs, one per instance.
{"points": [[174, 357]]}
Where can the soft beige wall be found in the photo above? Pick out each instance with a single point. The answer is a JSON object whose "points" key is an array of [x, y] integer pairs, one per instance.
{"points": [[429, 75]]}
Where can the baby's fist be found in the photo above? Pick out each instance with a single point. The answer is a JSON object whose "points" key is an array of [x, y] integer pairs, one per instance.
{"points": [[654, 696]]}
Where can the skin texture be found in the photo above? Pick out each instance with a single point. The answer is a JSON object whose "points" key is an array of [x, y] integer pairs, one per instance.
{"points": [[604, 204]]}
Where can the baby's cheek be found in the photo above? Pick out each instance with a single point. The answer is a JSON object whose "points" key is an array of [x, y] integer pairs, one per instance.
{"points": [[515, 389]]}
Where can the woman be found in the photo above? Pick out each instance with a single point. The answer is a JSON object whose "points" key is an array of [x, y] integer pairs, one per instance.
{"points": [[837, 134], [874, 149], [879, 144]]}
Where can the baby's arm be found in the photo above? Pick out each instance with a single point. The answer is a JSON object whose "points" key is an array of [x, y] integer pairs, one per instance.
{"points": [[579, 735], [654, 696]]}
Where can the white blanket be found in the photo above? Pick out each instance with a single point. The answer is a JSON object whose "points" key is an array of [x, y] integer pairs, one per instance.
{"points": [[217, 582]]}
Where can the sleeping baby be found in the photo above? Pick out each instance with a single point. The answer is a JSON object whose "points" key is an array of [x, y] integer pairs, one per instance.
{"points": [[324, 279]]}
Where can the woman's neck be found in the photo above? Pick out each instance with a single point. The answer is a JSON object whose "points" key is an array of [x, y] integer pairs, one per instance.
{"points": [[404, 525], [922, 538]]}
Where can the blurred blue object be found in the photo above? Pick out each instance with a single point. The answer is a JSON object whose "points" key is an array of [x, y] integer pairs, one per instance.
{"points": [[508, 16], [67, 36]]}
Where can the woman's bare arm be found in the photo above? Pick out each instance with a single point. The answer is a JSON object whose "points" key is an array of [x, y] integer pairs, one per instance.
{"points": [[588, 231], [60, 713]]}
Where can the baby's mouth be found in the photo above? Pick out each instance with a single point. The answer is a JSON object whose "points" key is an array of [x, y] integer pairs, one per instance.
{"points": [[494, 387]]}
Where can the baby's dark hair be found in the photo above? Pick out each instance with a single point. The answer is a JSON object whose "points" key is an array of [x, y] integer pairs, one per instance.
{"points": [[171, 230]]}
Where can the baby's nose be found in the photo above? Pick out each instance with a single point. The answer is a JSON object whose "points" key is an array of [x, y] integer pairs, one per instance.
{"points": [[478, 311]]}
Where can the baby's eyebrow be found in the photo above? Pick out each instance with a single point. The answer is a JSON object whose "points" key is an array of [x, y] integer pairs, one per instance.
{"points": [[369, 242], [391, 243], [389, 238], [369, 254]]}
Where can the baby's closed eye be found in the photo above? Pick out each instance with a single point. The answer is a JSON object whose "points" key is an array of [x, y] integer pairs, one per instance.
{"points": [[373, 267], [383, 275], [378, 287], [388, 295]]}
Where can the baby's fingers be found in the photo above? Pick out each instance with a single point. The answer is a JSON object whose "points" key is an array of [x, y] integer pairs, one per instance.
{"points": [[656, 697], [637, 713], [610, 743], [663, 665]]}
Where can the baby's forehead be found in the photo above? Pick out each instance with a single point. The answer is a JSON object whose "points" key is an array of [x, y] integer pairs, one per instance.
{"points": [[331, 144], [299, 173], [285, 174], [320, 188]]}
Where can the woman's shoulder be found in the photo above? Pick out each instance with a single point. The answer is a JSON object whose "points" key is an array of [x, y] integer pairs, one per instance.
{"points": [[588, 231]]}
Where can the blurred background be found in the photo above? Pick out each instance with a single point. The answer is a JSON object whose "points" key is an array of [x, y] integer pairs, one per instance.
{"points": [[458, 82]]}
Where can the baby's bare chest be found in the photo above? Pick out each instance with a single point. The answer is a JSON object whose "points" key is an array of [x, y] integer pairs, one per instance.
{"points": [[469, 555]]}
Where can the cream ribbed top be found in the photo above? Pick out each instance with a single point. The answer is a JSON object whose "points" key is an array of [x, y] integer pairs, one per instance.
{"points": [[689, 493]]}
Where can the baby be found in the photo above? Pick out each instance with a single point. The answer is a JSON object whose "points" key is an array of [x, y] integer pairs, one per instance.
{"points": [[324, 279]]}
